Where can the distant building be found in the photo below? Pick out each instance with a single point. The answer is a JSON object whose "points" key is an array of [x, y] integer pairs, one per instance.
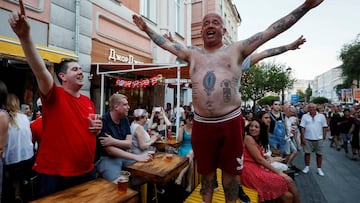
{"points": [[324, 85]]}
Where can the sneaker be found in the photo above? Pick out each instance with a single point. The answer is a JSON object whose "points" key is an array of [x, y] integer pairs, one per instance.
{"points": [[243, 196], [306, 169], [320, 172]]}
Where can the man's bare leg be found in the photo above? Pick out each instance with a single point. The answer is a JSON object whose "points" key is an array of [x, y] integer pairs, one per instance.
{"points": [[207, 186], [231, 186]]}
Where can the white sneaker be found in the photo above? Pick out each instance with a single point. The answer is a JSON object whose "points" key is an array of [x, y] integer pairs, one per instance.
{"points": [[320, 172], [306, 169]]}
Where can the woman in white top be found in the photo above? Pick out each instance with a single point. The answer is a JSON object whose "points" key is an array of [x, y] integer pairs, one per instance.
{"points": [[141, 140], [4, 124], [19, 150]]}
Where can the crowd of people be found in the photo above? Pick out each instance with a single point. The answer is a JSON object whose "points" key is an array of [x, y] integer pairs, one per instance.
{"points": [[213, 122]]}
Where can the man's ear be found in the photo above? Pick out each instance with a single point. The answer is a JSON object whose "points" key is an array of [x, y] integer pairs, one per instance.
{"points": [[224, 30], [61, 75]]}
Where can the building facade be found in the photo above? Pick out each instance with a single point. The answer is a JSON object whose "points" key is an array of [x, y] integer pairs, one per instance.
{"points": [[324, 85], [97, 31]]}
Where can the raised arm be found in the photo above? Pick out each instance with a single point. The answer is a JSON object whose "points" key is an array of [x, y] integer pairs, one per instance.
{"points": [[21, 27], [249, 45], [173, 47], [276, 51]]}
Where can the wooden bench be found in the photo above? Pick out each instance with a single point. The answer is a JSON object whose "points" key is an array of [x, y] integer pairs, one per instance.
{"points": [[218, 196]]}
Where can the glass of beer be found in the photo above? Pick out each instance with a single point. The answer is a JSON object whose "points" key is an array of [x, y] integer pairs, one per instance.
{"points": [[152, 151], [169, 151], [123, 181]]}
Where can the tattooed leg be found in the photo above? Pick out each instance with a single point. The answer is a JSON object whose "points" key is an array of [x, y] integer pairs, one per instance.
{"points": [[231, 187], [207, 186]]}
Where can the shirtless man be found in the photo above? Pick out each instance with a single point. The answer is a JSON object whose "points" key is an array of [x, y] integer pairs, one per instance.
{"points": [[215, 75]]}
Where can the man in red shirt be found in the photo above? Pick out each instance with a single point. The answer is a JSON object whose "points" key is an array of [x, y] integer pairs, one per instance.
{"points": [[66, 155]]}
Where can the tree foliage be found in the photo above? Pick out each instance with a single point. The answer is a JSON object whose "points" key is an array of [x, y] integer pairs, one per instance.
{"points": [[320, 100], [263, 78], [350, 57]]}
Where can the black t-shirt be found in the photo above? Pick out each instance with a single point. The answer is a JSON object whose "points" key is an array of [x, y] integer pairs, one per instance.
{"points": [[117, 131]]}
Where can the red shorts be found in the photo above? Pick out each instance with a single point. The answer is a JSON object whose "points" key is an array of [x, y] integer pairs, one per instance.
{"points": [[218, 144]]}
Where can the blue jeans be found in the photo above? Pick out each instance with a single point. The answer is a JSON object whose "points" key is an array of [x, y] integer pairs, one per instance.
{"points": [[53, 183], [109, 167]]}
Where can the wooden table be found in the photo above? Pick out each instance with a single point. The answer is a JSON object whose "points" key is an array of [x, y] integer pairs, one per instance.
{"points": [[161, 144], [95, 191], [159, 170]]}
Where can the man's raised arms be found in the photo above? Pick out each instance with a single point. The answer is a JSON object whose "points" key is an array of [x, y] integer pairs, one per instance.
{"points": [[247, 46]]}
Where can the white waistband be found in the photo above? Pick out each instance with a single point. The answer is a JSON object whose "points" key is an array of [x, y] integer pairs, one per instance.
{"points": [[229, 116]]}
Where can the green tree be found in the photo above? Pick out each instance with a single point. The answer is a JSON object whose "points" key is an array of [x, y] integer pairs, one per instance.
{"points": [[320, 100], [308, 93], [253, 84], [267, 100], [350, 57], [264, 78], [301, 94]]}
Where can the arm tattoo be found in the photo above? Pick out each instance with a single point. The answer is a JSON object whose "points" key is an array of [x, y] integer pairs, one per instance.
{"points": [[158, 39], [287, 21], [209, 82], [177, 46], [254, 39], [276, 51]]}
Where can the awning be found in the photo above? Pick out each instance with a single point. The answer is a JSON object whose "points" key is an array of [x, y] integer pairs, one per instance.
{"points": [[146, 70], [11, 47]]}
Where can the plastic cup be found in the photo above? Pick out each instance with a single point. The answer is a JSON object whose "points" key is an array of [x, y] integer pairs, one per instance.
{"points": [[169, 152], [123, 181], [95, 116]]}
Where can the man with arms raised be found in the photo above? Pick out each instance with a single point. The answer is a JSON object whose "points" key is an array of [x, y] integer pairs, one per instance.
{"points": [[66, 154], [215, 75]]}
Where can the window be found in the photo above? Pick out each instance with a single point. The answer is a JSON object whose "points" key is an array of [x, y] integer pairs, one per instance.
{"points": [[179, 16], [148, 9]]}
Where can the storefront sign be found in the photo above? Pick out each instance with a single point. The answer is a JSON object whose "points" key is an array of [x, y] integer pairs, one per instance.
{"points": [[113, 56]]}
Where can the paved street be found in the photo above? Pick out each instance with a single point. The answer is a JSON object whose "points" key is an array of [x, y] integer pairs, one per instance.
{"points": [[341, 183]]}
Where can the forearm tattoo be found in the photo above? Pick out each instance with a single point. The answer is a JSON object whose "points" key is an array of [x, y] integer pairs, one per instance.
{"points": [[158, 39], [177, 46], [276, 51], [231, 190], [287, 21]]}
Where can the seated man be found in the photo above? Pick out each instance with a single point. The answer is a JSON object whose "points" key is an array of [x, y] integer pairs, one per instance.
{"points": [[115, 138]]}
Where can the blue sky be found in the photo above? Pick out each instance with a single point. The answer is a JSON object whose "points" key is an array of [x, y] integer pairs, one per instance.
{"points": [[326, 29]]}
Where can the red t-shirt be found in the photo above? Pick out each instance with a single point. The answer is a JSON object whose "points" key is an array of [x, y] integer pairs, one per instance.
{"points": [[36, 129], [67, 146]]}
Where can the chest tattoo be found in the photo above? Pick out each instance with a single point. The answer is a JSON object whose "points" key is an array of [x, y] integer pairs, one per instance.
{"points": [[209, 82]]}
